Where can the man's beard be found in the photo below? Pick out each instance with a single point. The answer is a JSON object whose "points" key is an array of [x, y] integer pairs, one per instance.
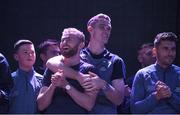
{"points": [[70, 53]]}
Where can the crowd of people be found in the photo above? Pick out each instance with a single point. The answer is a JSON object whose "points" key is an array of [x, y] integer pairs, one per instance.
{"points": [[78, 79]]}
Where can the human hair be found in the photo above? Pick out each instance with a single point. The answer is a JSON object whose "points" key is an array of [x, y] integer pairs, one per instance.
{"points": [[164, 36], [97, 18], [42, 48], [146, 45], [19, 43], [67, 32]]}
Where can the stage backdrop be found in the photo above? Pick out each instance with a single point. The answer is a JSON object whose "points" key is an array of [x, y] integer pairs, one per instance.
{"points": [[134, 22]]}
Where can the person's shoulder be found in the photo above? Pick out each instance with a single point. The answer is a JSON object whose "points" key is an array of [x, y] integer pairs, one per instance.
{"points": [[146, 70], [150, 67], [116, 58], [176, 68], [14, 74], [38, 76], [2, 57], [55, 59], [86, 64]]}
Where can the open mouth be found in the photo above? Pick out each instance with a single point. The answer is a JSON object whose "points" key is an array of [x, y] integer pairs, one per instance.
{"points": [[65, 48]]}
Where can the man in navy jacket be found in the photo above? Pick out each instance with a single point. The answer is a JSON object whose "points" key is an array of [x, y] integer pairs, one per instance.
{"points": [[156, 88]]}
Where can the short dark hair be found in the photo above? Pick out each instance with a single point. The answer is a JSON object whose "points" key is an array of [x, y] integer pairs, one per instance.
{"points": [[19, 43], [146, 45], [169, 36], [42, 48]]}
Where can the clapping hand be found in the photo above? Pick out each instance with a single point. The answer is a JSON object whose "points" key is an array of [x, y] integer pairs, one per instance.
{"points": [[162, 90], [58, 79]]}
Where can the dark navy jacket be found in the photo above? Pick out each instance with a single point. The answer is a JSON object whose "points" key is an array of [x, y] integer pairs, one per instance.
{"points": [[6, 83], [143, 100]]}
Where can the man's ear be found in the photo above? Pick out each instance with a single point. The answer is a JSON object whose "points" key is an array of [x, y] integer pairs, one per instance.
{"points": [[89, 28], [15, 57], [43, 57], [154, 52], [82, 44]]}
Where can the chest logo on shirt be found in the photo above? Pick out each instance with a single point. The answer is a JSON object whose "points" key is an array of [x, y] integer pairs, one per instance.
{"points": [[104, 65]]}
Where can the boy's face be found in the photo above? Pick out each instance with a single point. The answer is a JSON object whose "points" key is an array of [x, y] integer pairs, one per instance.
{"points": [[26, 55]]}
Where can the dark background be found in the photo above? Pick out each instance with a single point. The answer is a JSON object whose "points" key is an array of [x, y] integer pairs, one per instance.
{"points": [[134, 22]]}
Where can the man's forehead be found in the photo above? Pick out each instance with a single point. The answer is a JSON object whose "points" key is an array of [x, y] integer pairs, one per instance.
{"points": [[103, 21], [66, 36], [148, 48], [167, 43]]}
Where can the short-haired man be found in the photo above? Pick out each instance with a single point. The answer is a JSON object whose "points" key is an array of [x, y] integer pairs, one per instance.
{"points": [[111, 67], [47, 49], [156, 87], [62, 92], [145, 55]]}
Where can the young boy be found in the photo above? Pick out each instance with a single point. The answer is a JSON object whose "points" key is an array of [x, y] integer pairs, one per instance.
{"points": [[26, 81]]}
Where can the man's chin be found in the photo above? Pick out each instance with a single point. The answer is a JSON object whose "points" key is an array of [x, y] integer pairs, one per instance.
{"points": [[169, 63], [67, 55]]}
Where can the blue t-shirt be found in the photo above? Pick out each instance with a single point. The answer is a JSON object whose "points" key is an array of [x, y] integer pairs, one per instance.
{"points": [[110, 67]]}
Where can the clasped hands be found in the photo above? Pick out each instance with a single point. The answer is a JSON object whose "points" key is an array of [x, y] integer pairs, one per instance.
{"points": [[162, 90], [58, 79], [90, 81]]}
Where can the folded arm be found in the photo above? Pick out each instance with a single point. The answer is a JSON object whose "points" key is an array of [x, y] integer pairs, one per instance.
{"points": [[45, 97], [54, 64], [85, 99], [114, 92]]}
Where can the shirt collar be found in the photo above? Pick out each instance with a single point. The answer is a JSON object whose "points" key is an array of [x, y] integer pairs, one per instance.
{"points": [[28, 74], [159, 68], [99, 55]]}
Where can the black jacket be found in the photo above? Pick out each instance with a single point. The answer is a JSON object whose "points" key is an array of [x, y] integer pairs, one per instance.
{"points": [[6, 83]]}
